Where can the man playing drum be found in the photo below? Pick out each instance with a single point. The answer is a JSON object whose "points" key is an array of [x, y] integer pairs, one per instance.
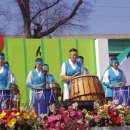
{"points": [[69, 69], [113, 79], [6, 81]]}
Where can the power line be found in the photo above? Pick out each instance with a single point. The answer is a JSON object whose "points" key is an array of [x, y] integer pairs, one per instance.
{"points": [[115, 16], [113, 6], [98, 15]]}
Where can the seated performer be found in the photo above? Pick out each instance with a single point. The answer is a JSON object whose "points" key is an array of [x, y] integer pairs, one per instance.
{"points": [[35, 78], [113, 78], [6, 81], [69, 69], [81, 60]]}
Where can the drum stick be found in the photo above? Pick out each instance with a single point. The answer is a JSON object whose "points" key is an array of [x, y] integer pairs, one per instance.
{"points": [[75, 75], [115, 85], [40, 84]]}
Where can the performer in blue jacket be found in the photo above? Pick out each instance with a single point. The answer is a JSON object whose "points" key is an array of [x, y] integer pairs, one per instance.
{"points": [[49, 77], [6, 81], [81, 60], [113, 78], [68, 69], [35, 78], [37, 81]]}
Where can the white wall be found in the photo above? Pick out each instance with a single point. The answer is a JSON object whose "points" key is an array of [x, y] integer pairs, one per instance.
{"points": [[102, 56]]}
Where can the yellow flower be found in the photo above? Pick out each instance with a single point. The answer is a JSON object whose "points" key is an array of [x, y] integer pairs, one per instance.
{"points": [[15, 114], [26, 116], [100, 111], [106, 106], [121, 111], [2, 115], [33, 114], [11, 122]]}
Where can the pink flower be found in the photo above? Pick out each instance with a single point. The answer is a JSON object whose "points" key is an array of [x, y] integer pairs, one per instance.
{"points": [[62, 125], [38, 119], [65, 118], [58, 117], [52, 125], [72, 113], [97, 118], [78, 114], [65, 113], [70, 108], [57, 124], [51, 118], [62, 109], [106, 124], [46, 123]]}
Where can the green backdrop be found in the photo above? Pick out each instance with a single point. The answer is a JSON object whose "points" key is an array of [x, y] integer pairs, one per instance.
{"points": [[20, 53]]}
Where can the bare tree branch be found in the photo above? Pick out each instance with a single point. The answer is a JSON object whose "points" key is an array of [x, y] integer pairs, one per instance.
{"points": [[60, 22], [44, 9]]}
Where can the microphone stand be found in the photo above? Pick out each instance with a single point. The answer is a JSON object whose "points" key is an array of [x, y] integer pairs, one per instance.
{"points": [[45, 83]]}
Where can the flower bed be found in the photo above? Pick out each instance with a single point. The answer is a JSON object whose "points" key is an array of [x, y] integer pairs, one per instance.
{"points": [[102, 117], [19, 120], [109, 115]]}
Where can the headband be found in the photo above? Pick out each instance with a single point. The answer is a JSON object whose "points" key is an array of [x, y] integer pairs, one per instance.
{"points": [[79, 60], [38, 62], [114, 61], [2, 57]]}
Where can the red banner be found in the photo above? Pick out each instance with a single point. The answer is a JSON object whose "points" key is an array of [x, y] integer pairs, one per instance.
{"points": [[1, 43]]}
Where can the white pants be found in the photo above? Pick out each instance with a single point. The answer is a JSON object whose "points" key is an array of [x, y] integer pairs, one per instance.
{"points": [[66, 92]]}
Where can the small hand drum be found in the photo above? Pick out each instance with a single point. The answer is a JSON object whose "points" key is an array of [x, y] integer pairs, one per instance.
{"points": [[6, 95], [56, 88], [42, 99]]}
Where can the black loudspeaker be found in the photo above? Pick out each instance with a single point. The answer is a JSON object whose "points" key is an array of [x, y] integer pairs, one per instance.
{"points": [[88, 105]]}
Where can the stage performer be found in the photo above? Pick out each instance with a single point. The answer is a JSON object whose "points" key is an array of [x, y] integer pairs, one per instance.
{"points": [[69, 69], [35, 79], [7, 66], [81, 60], [6, 81], [114, 79], [49, 77]]}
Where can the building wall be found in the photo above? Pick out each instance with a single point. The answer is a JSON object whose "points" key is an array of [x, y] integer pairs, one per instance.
{"points": [[20, 53], [105, 49], [117, 46], [102, 56]]}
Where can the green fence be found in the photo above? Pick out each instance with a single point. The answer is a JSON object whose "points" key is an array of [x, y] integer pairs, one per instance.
{"points": [[20, 53]]}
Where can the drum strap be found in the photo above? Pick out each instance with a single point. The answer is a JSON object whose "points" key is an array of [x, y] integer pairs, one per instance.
{"points": [[39, 99], [1, 96], [52, 95]]}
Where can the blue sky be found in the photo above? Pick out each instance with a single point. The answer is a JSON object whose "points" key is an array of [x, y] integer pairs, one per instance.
{"points": [[107, 17]]}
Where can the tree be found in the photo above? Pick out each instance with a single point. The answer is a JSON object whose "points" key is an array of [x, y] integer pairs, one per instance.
{"points": [[44, 17]]}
